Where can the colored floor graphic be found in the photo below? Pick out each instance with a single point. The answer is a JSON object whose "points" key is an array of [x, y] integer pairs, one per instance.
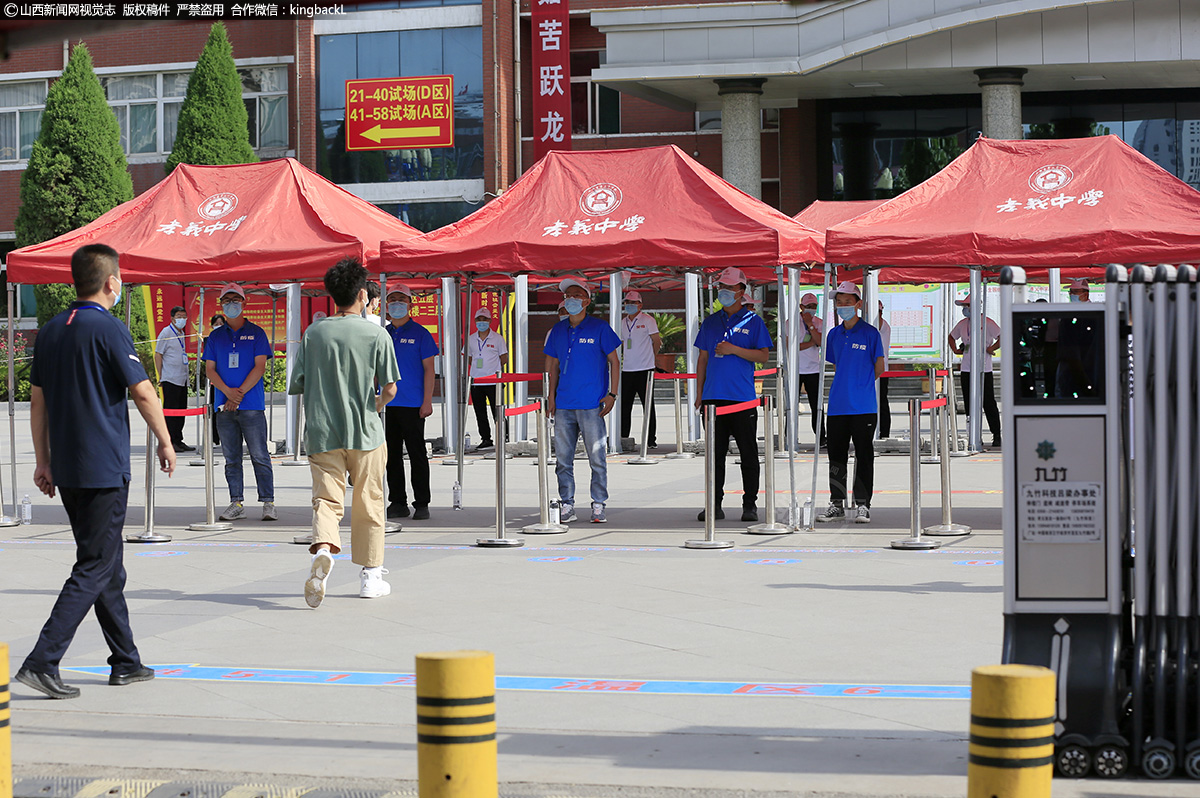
{"points": [[569, 685]]}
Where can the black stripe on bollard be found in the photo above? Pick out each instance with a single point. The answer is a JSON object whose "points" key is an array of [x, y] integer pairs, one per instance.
{"points": [[1006, 723], [429, 701], [432, 720], [437, 739], [1010, 742], [994, 762]]}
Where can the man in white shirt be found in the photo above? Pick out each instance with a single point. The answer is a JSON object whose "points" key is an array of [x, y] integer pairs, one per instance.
{"points": [[885, 412], [808, 360], [371, 311], [640, 342], [171, 362], [962, 332], [488, 356]]}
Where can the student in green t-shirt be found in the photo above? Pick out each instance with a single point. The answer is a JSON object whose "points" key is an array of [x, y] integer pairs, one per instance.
{"points": [[338, 365]]}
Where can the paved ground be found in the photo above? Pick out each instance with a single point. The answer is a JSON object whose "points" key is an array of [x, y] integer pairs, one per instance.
{"points": [[818, 663]]}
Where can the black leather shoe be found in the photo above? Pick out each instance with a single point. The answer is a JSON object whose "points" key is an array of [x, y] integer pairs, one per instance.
{"points": [[420, 513], [47, 683], [183, 447], [142, 674], [720, 515], [398, 511], [749, 513]]}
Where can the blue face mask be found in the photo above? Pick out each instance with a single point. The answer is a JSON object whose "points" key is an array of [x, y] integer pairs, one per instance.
{"points": [[966, 312], [845, 314], [630, 309], [120, 285], [574, 306], [1072, 297], [232, 309], [726, 297], [483, 325], [397, 310]]}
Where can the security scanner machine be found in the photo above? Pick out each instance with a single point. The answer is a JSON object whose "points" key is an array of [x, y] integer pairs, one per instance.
{"points": [[1100, 516]]}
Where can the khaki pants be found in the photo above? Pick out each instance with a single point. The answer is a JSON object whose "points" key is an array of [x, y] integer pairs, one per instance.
{"points": [[367, 516]]}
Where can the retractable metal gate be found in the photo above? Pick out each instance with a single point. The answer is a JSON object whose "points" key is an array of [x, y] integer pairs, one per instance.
{"points": [[1101, 516]]}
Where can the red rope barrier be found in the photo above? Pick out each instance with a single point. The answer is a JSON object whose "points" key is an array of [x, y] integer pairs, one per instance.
{"points": [[674, 376], [942, 372], [195, 411], [900, 374], [765, 372], [933, 404], [506, 378], [727, 409], [509, 412]]}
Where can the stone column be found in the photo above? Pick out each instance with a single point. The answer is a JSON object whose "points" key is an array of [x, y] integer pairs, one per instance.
{"points": [[741, 132], [858, 160], [1001, 88]]}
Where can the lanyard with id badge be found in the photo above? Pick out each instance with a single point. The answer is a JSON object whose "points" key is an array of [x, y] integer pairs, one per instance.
{"points": [[479, 359]]}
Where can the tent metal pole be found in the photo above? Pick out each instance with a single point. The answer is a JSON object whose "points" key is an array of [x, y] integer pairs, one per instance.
{"points": [[614, 321], [791, 385], [691, 319], [274, 321], [976, 353], [827, 306], [1054, 284], [201, 398], [12, 417], [292, 327], [871, 315], [520, 354], [451, 366]]}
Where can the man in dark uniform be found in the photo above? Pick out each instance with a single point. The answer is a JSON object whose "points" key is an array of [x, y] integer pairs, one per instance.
{"points": [[83, 361]]}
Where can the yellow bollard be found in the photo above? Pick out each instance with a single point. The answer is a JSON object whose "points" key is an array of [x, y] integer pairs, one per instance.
{"points": [[6, 777], [456, 725], [1011, 751]]}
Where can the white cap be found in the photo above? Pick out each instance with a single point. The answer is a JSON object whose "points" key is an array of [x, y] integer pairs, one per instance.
{"points": [[847, 287], [570, 281], [233, 288], [483, 313], [633, 296], [733, 276], [400, 288]]}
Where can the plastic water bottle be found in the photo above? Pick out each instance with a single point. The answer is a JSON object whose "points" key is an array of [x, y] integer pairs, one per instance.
{"points": [[467, 442], [555, 511], [26, 510], [456, 492], [807, 513]]}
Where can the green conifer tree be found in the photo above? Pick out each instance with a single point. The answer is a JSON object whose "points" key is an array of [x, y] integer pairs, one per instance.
{"points": [[212, 120], [76, 170]]}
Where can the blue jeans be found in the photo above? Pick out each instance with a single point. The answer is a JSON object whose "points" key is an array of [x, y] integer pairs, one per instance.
{"points": [[567, 426], [233, 426]]}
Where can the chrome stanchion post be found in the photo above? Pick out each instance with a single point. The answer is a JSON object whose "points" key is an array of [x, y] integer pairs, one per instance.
{"points": [[914, 472], [646, 406], [211, 524], [679, 453], [148, 535], [710, 491], [952, 401], [781, 447], [934, 456], [543, 526], [769, 527], [299, 432], [947, 527], [501, 540]]}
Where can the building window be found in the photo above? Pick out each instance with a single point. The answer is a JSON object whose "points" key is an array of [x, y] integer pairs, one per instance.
{"points": [[406, 53], [264, 90], [21, 106], [594, 109]]}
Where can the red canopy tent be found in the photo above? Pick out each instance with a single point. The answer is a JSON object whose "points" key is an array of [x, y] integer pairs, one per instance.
{"points": [[1047, 203], [268, 222], [604, 211]]}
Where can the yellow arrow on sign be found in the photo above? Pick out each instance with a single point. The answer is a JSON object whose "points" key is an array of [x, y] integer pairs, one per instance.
{"points": [[379, 133]]}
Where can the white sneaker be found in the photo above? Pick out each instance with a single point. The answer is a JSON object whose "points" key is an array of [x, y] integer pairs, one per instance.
{"points": [[269, 512], [318, 575], [373, 584]]}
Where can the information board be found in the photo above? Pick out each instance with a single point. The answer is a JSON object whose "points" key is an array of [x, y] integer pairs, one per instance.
{"points": [[400, 113]]}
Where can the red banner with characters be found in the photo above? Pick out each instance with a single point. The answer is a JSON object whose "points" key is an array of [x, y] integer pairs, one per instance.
{"points": [[551, 76]]}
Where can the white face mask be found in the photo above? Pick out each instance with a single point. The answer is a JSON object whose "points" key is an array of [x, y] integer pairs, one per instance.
{"points": [[180, 323]]}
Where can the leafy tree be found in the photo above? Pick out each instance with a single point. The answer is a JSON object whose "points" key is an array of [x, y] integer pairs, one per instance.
{"points": [[76, 170], [922, 158], [212, 120]]}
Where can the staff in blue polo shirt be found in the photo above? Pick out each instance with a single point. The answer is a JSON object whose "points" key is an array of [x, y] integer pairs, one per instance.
{"points": [[855, 348], [584, 371], [83, 361], [731, 341], [405, 415], [235, 360]]}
